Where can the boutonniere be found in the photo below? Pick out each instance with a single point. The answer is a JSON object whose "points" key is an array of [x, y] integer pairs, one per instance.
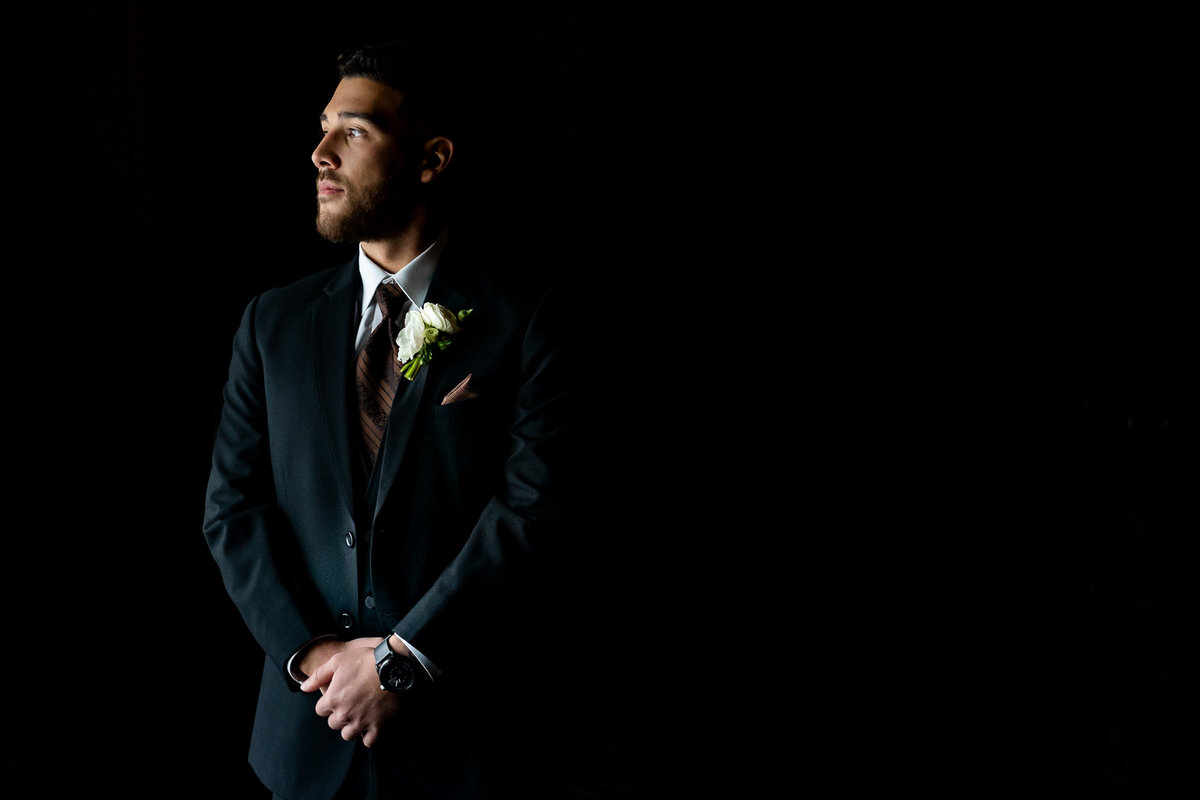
{"points": [[425, 332]]}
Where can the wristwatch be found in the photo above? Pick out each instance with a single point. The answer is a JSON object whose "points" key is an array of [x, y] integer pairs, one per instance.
{"points": [[397, 673]]}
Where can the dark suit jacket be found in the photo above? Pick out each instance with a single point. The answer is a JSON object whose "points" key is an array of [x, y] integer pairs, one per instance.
{"points": [[447, 535]]}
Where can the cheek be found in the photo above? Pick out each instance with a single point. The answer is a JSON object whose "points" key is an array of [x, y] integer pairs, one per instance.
{"points": [[366, 172], [390, 161], [372, 171]]}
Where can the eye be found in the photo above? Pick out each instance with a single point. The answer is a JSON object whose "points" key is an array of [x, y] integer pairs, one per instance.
{"points": [[354, 133]]}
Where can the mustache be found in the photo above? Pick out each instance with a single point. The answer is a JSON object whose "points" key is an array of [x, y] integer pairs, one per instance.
{"points": [[328, 176]]}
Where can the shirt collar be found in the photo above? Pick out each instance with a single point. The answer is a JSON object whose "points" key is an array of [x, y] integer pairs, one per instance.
{"points": [[413, 278]]}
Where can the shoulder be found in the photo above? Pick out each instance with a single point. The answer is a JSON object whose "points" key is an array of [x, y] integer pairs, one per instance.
{"points": [[310, 286], [500, 286], [287, 300]]}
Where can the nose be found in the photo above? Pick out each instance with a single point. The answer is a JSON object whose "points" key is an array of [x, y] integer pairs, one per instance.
{"points": [[324, 157]]}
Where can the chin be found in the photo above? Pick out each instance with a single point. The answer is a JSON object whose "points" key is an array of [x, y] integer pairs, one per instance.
{"points": [[332, 229]]}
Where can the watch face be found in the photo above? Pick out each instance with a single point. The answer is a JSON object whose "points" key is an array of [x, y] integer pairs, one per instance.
{"points": [[398, 675]]}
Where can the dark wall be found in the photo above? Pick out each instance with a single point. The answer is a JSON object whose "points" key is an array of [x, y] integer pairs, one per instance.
{"points": [[882, 276], [1089, 254], [165, 181]]}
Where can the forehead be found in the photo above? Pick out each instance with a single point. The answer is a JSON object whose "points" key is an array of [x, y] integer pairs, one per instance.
{"points": [[366, 98]]}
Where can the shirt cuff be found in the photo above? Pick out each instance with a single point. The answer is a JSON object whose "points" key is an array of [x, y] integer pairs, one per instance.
{"points": [[294, 673], [430, 668]]}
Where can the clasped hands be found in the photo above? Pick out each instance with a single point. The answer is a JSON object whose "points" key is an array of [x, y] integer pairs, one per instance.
{"points": [[351, 700]]}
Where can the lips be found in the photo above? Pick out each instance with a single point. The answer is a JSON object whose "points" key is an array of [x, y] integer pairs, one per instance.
{"points": [[328, 189]]}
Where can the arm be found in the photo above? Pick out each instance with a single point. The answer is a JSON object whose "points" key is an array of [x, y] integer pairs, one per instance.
{"points": [[518, 535], [248, 535]]}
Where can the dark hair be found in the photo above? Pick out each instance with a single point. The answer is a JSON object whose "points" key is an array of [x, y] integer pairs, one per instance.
{"points": [[427, 79]]}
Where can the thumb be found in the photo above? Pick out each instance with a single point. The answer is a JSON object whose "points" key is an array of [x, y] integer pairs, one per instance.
{"points": [[319, 679]]}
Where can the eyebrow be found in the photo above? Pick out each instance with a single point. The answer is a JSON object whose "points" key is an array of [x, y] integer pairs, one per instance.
{"points": [[363, 115]]}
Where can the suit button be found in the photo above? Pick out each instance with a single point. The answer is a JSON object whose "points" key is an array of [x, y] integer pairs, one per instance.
{"points": [[349, 538], [369, 601], [347, 621]]}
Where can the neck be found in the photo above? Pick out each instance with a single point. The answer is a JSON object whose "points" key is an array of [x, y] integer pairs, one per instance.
{"points": [[394, 252]]}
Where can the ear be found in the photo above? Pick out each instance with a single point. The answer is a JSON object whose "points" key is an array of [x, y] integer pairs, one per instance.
{"points": [[435, 158]]}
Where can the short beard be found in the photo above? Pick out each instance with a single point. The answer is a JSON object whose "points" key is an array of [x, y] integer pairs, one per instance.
{"points": [[376, 213]]}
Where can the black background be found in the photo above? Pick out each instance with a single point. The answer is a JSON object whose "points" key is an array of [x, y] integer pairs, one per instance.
{"points": [[162, 167], [898, 323]]}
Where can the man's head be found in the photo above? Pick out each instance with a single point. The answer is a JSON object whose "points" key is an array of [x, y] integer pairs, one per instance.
{"points": [[384, 145]]}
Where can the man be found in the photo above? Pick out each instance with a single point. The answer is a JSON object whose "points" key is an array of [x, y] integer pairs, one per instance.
{"points": [[386, 560]]}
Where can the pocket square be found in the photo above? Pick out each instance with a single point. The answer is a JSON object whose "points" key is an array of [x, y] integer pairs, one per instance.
{"points": [[464, 391]]}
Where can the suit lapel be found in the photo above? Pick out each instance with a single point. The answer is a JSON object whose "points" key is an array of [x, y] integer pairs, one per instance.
{"points": [[399, 430], [411, 399], [333, 327]]}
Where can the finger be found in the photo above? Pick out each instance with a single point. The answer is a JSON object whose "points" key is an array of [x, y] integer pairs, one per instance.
{"points": [[369, 737]]}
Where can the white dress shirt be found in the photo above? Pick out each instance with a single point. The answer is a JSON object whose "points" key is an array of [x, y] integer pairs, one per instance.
{"points": [[413, 278]]}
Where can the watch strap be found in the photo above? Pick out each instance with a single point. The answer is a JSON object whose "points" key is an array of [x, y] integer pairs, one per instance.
{"points": [[382, 651]]}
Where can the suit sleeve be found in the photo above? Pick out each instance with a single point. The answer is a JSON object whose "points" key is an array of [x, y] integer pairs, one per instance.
{"points": [[248, 535], [521, 534]]}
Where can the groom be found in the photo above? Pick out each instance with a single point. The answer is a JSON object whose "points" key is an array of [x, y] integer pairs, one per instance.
{"points": [[383, 523]]}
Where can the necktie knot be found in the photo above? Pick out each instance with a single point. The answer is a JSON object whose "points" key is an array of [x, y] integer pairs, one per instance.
{"points": [[391, 300]]}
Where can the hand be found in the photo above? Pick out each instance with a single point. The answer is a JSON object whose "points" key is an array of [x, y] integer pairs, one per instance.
{"points": [[317, 654], [351, 698]]}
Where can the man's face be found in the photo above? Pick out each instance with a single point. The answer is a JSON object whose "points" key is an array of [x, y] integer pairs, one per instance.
{"points": [[367, 168]]}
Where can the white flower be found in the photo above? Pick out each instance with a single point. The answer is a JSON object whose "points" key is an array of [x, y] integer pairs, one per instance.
{"points": [[426, 332], [440, 317], [411, 338]]}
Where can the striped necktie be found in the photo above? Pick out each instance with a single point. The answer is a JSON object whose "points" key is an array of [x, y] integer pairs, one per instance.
{"points": [[376, 377]]}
